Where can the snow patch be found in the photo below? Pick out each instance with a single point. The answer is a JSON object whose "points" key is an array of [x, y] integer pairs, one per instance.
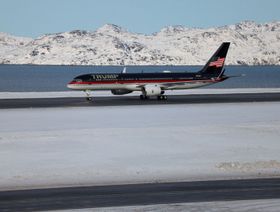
{"points": [[268, 205], [249, 166]]}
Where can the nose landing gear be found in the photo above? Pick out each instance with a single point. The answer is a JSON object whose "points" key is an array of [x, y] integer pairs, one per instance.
{"points": [[88, 96]]}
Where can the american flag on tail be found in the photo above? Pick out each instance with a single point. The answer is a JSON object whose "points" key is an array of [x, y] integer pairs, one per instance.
{"points": [[218, 63]]}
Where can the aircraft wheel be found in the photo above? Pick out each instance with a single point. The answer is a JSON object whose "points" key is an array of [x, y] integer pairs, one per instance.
{"points": [[162, 97], [142, 97], [89, 99]]}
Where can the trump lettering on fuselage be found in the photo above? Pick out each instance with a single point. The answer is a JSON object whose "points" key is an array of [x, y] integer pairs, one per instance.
{"points": [[104, 76]]}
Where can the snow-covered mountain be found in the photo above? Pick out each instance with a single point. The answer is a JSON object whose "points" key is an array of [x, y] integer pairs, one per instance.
{"points": [[251, 44]]}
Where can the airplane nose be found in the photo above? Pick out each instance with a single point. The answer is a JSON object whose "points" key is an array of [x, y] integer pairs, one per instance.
{"points": [[71, 85]]}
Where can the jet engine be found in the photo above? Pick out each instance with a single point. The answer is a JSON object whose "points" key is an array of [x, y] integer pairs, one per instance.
{"points": [[120, 91], [152, 90]]}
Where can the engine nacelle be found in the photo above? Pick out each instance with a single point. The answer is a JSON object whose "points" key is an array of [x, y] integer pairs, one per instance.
{"points": [[120, 91], [152, 90]]}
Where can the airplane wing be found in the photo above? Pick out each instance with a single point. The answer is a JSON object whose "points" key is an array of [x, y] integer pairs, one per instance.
{"points": [[166, 85]]}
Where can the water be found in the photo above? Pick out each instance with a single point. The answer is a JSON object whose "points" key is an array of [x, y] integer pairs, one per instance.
{"points": [[22, 78]]}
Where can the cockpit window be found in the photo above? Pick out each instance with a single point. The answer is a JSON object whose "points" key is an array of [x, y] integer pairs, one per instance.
{"points": [[77, 80], [82, 78]]}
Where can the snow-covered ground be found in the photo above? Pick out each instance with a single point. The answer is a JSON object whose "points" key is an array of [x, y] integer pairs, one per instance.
{"points": [[267, 205], [56, 94], [131, 144]]}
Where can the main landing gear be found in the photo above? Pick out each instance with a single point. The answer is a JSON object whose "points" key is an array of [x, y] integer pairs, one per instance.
{"points": [[142, 97], [160, 97]]}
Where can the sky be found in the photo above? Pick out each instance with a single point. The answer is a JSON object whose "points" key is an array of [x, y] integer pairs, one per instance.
{"points": [[32, 18]]}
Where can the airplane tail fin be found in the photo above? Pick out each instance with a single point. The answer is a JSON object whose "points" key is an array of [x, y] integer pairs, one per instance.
{"points": [[215, 65]]}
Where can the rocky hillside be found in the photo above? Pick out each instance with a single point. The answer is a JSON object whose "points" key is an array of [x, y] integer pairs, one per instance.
{"points": [[251, 44]]}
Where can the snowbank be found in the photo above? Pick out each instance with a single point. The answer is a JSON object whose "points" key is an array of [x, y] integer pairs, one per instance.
{"points": [[17, 95], [132, 144]]}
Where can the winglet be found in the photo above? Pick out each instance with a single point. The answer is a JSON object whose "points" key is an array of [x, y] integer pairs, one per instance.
{"points": [[124, 70]]}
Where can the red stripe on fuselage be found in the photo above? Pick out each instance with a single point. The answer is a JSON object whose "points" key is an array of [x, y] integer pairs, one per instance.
{"points": [[142, 81]]}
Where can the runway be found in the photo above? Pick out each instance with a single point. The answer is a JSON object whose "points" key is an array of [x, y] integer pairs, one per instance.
{"points": [[134, 100], [138, 194]]}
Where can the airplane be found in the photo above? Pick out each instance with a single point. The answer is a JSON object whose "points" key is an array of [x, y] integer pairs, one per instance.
{"points": [[154, 84]]}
